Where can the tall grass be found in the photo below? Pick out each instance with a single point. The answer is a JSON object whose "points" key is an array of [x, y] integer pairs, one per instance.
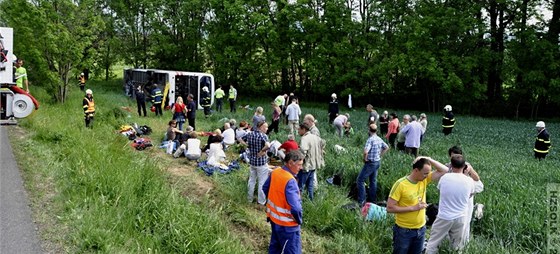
{"points": [[114, 199]]}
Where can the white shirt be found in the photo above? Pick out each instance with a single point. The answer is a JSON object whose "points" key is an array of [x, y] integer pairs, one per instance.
{"points": [[240, 133], [293, 111], [455, 191], [193, 147], [229, 136]]}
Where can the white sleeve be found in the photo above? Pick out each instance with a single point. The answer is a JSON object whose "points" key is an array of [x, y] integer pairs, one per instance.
{"points": [[478, 186]]}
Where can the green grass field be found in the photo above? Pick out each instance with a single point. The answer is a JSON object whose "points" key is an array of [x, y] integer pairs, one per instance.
{"points": [[92, 192]]}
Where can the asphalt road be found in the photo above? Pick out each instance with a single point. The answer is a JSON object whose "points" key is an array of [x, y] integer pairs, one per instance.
{"points": [[18, 233]]}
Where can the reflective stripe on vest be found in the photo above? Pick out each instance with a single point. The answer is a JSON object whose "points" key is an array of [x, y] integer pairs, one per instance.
{"points": [[90, 106], [540, 151], [277, 208]]}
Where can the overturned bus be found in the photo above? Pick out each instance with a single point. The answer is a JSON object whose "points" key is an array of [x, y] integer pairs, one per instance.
{"points": [[171, 83]]}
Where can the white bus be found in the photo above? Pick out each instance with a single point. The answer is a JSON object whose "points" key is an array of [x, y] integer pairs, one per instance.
{"points": [[177, 83]]}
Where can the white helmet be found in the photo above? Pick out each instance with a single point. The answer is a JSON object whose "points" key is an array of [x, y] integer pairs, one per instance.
{"points": [[333, 96], [89, 92], [448, 108], [81, 74], [205, 89], [540, 124]]}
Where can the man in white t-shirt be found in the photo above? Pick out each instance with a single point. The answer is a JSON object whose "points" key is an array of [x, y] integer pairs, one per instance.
{"points": [[293, 112], [229, 135], [455, 189], [193, 147]]}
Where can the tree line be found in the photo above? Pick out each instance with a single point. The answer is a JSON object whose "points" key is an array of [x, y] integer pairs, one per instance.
{"points": [[485, 57]]}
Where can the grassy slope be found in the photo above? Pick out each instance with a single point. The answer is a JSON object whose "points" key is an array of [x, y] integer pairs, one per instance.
{"points": [[93, 193]]}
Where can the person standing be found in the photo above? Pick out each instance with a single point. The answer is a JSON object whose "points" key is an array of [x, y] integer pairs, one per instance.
{"points": [[448, 120], [373, 116], [424, 122], [333, 108], [293, 112], [141, 101], [413, 132], [191, 111], [179, 112], [373, 150], [206, 101], [407, 200], [341, 123], [276, 112], [393, 129], [283, 209], [21, 75], [88, 105], [455, 191], [82, 80], [542, 144], [257, 143], [309, 120], [478, 188], [232, 99], [384, 122], [258, 117], [312, 147], [401, 137], [157, 98], [219, 95]]}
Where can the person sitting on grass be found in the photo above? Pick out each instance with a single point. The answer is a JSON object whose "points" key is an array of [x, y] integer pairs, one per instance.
{"points": [[193, 147], [216, 137], [171, 136]]}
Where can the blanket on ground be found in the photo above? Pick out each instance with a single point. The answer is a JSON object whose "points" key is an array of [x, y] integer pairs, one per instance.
{"points": [[209, 170]]}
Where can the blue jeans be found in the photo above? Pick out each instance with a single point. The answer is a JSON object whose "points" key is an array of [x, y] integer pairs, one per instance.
{"points": [[408, 240], [368, 171], [306, 179]]}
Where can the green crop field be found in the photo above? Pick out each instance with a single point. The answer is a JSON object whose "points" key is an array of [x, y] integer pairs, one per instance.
{"points": [[91, 192]]}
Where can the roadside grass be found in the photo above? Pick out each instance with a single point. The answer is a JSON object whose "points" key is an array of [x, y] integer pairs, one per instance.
{"points": [[108, 198]]}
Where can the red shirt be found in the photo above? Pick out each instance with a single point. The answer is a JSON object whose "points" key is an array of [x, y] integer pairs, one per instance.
{"points": [[289, 146], [178, 108]]}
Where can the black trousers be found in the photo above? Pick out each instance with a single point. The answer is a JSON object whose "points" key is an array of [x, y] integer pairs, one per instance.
{"points": [[141, 107], [191, 123], [232, 105], [158, 109]]}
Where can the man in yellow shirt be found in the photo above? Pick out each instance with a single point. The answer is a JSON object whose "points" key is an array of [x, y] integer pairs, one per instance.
{"points": [[407, 200], [21, 75], [219, 94]]}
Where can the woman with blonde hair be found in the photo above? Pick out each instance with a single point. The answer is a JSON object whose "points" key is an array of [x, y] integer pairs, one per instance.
{"points": [[258, 117], [179, 112]]}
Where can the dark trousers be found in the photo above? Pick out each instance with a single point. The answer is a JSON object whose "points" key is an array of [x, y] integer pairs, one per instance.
{"points": [[540, 156], [411, 150], [82, 87], [273, 126], [392, 138], [219, 104], [191, 123], [158, 109], [206, 110], [447, 131], [232, 105], [89, 121], [141, 107]]}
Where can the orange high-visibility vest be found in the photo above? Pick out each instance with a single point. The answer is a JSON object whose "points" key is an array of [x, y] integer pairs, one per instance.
{"points": [[277, 208], [90, 106]]}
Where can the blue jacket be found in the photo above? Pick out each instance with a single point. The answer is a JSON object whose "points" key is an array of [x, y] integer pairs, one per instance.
{"points": [[157, 96]]}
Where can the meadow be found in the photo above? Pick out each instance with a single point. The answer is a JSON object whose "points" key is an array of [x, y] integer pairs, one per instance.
{"points": [[91, 192]]}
